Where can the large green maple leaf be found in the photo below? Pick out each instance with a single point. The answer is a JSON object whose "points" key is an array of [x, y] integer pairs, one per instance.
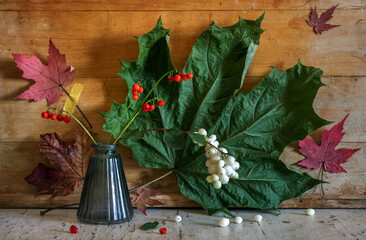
{"points": [[254, 127]]}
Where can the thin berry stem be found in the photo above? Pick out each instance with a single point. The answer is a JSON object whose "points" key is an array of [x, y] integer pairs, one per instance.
{"points": [[77, 106], [86, 130], [119, 120], [128, 124], [155, 180]]}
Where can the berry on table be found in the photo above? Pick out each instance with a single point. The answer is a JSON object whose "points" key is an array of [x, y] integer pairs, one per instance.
{"points": [[258, 218], [73, 229], [136, 87], [178, 218], [44, 114], [310, 212], [67, 119], [238, 220], [161, 103], [54, 116], [224, 222], [162, 230], [190, 75], [49, 114], [60, 118], [177, 78]]}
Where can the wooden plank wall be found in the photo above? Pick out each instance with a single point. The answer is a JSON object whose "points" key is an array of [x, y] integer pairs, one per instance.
{"points": [[93, 34]]}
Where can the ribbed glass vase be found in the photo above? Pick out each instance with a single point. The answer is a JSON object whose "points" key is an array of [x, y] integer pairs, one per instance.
{"points": [[105, 198]]}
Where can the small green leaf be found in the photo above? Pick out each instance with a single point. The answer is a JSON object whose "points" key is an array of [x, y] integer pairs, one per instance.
{"points": [[198, 138], [174, 139], [149, 225]]}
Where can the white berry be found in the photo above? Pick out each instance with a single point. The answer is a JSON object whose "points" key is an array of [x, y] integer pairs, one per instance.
{"points": [[209, 179], [215, 177], [223, 150], [208, 163], [229, 170], [210, 152], [202, 131], [221, 171], [224, 222], [234, 175], [215, 157], [310, 212], [236, 166], [215, 143], [230, 160], [224, 179], [212, 169], [178, 218], [217, 184], [212, 138], [220, 163], [258, 218], [238, 220]]}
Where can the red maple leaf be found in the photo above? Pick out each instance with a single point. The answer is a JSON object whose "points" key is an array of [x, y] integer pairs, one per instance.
{"points": [[326, 154], [68, 164], [49, 79], [319, 24], [143, 198]]}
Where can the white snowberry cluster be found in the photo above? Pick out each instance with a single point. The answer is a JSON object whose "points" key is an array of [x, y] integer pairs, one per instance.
{"points": [[220, 164]]}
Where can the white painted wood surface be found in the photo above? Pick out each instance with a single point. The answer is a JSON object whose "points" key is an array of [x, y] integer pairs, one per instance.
{"points": [[291, 224]]}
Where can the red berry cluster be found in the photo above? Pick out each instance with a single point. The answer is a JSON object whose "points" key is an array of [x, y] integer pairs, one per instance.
{"points": [[136, 90], [59, 117], [148, 108], [179, 77]]}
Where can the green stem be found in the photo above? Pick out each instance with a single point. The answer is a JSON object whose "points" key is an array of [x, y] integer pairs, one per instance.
{"points": [[119, 120], [155, 180], [86, 130], [137, 111], [128, 124]]}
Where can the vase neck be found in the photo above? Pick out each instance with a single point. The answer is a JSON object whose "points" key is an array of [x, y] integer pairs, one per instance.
{"points": [[104, 147]]}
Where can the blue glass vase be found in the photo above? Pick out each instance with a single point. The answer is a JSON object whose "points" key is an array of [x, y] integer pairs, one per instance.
{"points": [[105, 198]]}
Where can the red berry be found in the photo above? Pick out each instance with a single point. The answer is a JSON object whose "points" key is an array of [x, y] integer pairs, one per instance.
{"points": [[182, 74], [134, 92], [177, 78], [170, 79], [67, 119], [185, 78], [54, 116], [135, 97], [162, 230], [161, 103], [136, 87], [60, 117], [152, 107], [49, 114], [190, 75], [146, 107], [44, 114], [73, 229], [141, 90]]}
